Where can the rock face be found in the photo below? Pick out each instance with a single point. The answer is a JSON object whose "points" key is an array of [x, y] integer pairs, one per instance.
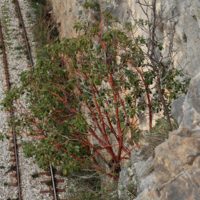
{"points": [[66, 13], [176, 167], [136, 178], [176, 172], [191, 106], [177, 110], [185, 14], [176, 164]]}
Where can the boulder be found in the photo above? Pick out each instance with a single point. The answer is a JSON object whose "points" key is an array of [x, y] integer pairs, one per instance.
{"points": [[177, 168], [177, 110]]}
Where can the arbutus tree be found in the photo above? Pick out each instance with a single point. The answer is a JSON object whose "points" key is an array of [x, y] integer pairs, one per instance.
{"points": [[83, 93]]}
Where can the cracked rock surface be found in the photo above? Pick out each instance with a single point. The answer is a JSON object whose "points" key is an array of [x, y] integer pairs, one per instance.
{"points": [[176, 172], [176, 167]]}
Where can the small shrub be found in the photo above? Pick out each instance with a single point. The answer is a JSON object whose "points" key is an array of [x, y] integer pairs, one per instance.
{"points": [[157, 136], [1, 136], [12, 167], [35, 175], [48, 183], [5, 184], [19, 48]]}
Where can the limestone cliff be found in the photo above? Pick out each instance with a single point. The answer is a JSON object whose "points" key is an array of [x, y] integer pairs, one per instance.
{"points": [[174, 172], [66, 13], [176, 166], [186, 15]]}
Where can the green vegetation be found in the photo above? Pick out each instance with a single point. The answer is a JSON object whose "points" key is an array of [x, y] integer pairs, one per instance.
{"points": [[44, 29], [48, 183], [157, 135], [80, 103], [19, 48], [2, 136], [57, 94], [35, 175], [88, 185]]}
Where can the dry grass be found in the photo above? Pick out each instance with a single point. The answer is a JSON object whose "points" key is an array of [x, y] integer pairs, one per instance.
{"points": [[88, 186], [158, 135]]}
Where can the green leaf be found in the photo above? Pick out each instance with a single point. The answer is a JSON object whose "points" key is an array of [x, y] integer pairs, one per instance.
{"points": [[65, 172]]}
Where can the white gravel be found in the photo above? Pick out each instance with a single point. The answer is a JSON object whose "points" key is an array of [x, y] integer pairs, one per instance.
{"points": [[18, 62]]}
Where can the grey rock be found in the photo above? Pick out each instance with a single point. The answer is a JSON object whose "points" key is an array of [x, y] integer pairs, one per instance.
{"points": [[176, 172], [138, 176], [143, 168], [186, 15], [146, 183], [191, 106], [124, 182], [177, 110], [136, 156], [80, 12]]}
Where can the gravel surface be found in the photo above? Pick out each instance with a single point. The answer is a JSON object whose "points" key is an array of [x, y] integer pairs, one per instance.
{"points": [[17, 61]]}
